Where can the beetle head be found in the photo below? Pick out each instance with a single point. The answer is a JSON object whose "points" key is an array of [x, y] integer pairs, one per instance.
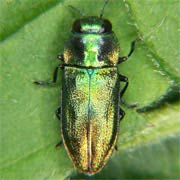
{"points": [[93, 25]]}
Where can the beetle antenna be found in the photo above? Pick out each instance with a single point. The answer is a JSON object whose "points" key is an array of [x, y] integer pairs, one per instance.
{"points": [[76, 10], [102, 11]]}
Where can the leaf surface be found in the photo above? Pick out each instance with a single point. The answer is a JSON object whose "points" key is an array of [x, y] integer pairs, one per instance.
{"points": [[33, 33]]}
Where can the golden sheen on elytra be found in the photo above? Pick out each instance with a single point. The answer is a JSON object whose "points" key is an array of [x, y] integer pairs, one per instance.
{"points": [[90, 96], [90, 123]]}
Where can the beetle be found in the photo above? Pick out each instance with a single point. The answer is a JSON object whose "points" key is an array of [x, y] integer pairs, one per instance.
{"points": [[90, 96]]}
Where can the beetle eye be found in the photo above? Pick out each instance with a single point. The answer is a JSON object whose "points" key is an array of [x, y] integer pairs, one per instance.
{"points": [[106, 27], [77, 26]]}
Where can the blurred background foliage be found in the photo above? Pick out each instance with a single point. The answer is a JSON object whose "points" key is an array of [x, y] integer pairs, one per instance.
{"points": [[32, 33]]}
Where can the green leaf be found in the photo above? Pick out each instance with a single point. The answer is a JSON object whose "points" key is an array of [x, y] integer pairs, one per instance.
{"points": [[15, 14], [32, 33], [160, 28]]}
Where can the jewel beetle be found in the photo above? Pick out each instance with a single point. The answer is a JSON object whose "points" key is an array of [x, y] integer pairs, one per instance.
{"points": [[91, 94]]}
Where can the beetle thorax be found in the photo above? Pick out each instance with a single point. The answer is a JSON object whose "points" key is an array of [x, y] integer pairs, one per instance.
{"points": [[92, 44], [92, 50]]}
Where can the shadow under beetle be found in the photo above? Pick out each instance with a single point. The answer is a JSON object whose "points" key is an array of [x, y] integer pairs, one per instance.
{"points": [[89, 112]]}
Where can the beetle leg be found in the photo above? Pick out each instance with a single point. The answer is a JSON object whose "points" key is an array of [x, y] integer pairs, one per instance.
{"points": [[121, 114], [123, 79], [58, 113], [124, 58], [116, 147], [60, 57], [55, 75], [59, 144]]}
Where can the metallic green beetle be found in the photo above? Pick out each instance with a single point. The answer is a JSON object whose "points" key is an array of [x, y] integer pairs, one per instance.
{"points": [[90, 98]]}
